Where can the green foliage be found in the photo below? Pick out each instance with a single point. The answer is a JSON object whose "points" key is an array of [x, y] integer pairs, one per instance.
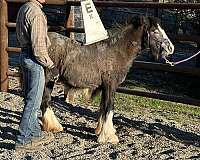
{"points": [[130, 103]]}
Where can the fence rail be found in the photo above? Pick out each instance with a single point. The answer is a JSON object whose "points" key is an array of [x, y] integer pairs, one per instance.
{"points": [[120, 4], [160, 96], [180, 37], [4, 49]]}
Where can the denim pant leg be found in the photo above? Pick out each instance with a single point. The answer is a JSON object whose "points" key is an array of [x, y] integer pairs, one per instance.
{"points": [[34, 80]]}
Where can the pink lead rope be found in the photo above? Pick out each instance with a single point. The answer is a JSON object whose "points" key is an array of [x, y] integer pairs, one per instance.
{"points": [[181, 61]]}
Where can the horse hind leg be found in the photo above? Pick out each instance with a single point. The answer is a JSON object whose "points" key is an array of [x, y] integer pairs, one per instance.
{"points": [[71, 94], [87, 93], [68, 96], [105, 124]]}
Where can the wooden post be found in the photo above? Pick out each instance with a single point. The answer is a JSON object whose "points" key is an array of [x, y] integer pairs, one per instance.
{"points": [[198, 44], [3, 46], [198, 57], [69, 20]]}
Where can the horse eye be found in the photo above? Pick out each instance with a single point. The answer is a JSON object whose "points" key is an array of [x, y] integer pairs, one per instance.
{"points": [[156, 31], [170, 48]]}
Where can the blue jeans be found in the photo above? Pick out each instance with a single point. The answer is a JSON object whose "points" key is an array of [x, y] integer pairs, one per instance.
{"points": [[34, 81]]}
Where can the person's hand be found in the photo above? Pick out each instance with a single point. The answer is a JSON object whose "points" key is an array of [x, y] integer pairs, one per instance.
{"points": [[54, 73]]}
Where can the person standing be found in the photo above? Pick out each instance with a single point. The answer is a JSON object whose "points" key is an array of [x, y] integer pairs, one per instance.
{"points": [[31, 32]]}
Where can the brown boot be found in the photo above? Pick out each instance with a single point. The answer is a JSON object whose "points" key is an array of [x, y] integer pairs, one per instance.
{"points": [[29, 147], [35, 144], [46, 138]]}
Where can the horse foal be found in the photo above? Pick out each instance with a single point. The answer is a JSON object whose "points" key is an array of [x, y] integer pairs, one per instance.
{"points": [[102, 66]]}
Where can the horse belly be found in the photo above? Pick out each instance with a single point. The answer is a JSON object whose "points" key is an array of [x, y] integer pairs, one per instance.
{"points": [[82, 77]]}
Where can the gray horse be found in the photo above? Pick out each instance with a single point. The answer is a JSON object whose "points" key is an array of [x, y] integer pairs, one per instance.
{"points": [[102, 66]]}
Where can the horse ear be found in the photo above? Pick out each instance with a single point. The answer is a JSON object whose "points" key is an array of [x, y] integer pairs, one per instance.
{"points": [[153, 21], [145, 39], [142, 20], [137, 21], [147, 23]]}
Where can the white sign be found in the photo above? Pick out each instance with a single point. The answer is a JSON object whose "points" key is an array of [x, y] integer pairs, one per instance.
{"points": [[94, 29]]}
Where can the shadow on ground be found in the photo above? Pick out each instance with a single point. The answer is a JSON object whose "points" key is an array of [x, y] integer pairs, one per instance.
{"points": [[167, 131], [8, 133]]}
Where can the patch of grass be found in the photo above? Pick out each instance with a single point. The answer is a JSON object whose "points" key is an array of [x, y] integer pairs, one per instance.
{"points": [[129, 103], [160, 105]]}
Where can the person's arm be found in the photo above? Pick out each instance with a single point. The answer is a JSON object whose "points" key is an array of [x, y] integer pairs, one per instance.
{"points": [[39, 41]]}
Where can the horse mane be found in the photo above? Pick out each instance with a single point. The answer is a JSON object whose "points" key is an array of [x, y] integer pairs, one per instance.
{"points": [[120, 30], [116, 33], [154, 21]]}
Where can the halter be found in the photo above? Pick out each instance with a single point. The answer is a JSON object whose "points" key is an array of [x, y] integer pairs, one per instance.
{"points": [[160, 41]]}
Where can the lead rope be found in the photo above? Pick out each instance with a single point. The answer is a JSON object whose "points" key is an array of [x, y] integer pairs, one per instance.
{"points": [[181, 61]]}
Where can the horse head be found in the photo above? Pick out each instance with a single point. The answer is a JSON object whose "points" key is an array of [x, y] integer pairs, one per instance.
{"points": [[154, 37]]}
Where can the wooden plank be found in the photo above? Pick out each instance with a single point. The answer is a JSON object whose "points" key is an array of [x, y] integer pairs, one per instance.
{"points": [[165, 67], [121, 4], [57, 2], [11, 25], [185, 37], [160, 96], [13, 49], [54, 28], [180, 37], [154, 5]]}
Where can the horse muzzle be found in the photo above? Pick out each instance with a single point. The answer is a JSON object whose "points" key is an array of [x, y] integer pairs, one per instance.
{"points": [[167, 51], [167, 48]]}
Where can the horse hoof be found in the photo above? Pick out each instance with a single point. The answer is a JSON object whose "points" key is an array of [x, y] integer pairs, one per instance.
{"points": [[50, 122], [57, 130], [113, 139], [48, 127]]}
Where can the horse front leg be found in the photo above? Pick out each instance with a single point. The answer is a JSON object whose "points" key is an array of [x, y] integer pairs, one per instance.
{"points": [[105, 122], [49, 120]]}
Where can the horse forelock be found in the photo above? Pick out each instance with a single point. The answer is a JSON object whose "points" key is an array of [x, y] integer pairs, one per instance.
{"points": [[152, 22]]}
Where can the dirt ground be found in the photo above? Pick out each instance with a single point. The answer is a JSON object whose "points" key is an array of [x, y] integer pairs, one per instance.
{"points": [[146, 134]]}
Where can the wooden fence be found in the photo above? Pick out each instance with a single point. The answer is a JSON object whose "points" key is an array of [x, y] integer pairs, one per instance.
{"points": [[4, 48]]}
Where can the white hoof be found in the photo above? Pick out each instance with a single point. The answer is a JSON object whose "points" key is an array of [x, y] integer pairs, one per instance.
{"points": [[103, 139], [50, 122], [108, 131]]}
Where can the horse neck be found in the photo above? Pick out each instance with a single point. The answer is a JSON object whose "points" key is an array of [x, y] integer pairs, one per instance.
{"points": [[135, 35], [129, 45], [132, 41]]}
